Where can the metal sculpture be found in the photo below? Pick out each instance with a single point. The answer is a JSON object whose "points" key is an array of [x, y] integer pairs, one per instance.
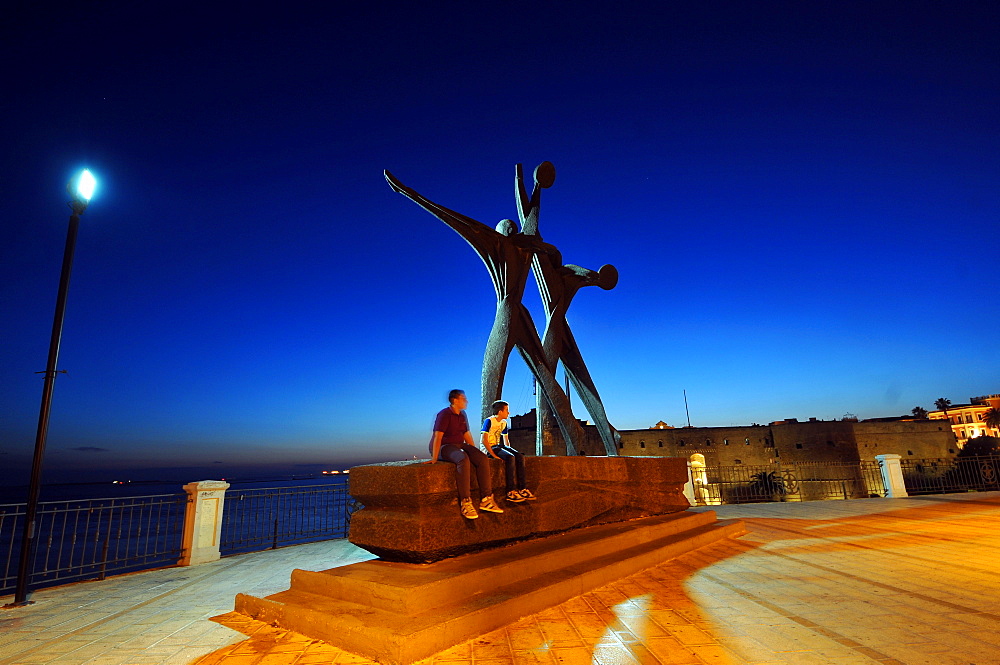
{"points": [[509, 255], [557, 284]]}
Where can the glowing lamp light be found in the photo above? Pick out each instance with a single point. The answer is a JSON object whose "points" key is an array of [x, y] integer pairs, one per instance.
{"points": [[85, 186]]}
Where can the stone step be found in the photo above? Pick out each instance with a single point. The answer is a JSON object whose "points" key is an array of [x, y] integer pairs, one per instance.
{"points": [[399, 639], [406, 588]]}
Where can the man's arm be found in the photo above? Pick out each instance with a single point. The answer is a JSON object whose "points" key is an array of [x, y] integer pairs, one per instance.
{"points": [[435, 447]]}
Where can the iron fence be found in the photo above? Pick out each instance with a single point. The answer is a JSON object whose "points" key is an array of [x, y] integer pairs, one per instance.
{"points": [[799, 481], [92, 538], [943, 475], [271, 517]]}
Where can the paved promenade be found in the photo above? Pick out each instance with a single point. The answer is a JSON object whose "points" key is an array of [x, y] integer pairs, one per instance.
{"points": [[913, 581]]}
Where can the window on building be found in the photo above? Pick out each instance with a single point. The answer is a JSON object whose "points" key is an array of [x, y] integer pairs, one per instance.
{"points": [[659, 444], [831, 444], [747, 441], [621, 444], [738, 461], [799, 446], [681, 443], [909, 452], [951, 450], [642, 444], [708, 442], [725, 442]]}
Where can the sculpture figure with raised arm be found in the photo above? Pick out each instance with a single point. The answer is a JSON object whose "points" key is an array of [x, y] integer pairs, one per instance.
{"points": [[508, 256], [557, 284]]}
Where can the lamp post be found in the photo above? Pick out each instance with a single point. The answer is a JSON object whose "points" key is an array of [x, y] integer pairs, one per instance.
{"points": [[82, 189]]}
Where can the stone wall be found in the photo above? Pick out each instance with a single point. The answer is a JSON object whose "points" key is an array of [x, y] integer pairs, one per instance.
{"points": [[720, 445], [919, 439], [786, 441]]}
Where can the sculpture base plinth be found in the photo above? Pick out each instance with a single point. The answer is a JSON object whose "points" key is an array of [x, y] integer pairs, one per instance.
{"points": [[398, 613], [411, 511]]}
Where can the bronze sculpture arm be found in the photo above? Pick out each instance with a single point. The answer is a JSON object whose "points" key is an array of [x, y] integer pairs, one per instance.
{"points": [[521, 196], [475, 232], [606, 277], [527, 207]]}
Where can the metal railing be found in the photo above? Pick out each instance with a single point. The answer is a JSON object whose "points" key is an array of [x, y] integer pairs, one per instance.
{"points": [[961, 474], [93, 538], [272, 517], [799, 481]]}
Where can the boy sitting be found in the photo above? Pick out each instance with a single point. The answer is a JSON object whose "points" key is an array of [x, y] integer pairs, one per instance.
{"points": [[494, 440]]}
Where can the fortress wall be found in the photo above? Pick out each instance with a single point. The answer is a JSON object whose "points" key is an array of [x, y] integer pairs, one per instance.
{"points": [[807, 441], [919, 439]]}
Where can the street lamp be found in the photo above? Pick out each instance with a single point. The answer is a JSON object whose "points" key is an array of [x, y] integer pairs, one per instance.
{"points": [[81, 189]]}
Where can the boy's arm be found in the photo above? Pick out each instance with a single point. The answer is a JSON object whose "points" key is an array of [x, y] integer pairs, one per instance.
{"points": [[435, 447], [486, 439]]}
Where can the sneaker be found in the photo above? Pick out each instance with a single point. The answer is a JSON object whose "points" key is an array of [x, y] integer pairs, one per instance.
{"points": [[468, 510], [527, 495], [514, 496], [489, 505]]}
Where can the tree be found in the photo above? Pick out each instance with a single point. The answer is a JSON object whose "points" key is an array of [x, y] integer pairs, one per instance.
{"points": [[992, 418], [768, 484], [981, 446], [942, 403], [919, 412]]}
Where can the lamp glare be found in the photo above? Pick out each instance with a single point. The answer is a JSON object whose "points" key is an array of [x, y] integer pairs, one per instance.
{"points": [[86, 185]]}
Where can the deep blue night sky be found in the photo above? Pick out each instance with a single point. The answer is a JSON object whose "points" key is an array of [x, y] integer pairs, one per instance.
{"points": [[801, 199]]}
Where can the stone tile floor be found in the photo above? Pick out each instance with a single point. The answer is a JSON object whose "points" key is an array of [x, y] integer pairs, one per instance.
{"points": [[913, 581]]}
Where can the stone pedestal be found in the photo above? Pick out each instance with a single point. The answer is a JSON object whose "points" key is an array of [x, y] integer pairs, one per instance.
{"points": [[203, 521], [398, 613], [443, 579], [411, 509], [892, 476]]}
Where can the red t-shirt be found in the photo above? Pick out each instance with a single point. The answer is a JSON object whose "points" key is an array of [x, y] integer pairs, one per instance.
{"points": [[454, 425]]}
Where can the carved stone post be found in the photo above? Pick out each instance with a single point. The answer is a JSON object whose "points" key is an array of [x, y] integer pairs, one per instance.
{"points": [[203, 521], [689, 487], [892, 476]]}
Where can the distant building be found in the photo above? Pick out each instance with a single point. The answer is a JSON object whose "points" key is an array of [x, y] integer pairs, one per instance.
{"points": [[967, 419], [786, 440]]}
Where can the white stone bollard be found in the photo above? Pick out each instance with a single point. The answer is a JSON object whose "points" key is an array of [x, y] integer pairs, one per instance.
{"points": [[892, 475], [203, 521], [689, 487]]}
